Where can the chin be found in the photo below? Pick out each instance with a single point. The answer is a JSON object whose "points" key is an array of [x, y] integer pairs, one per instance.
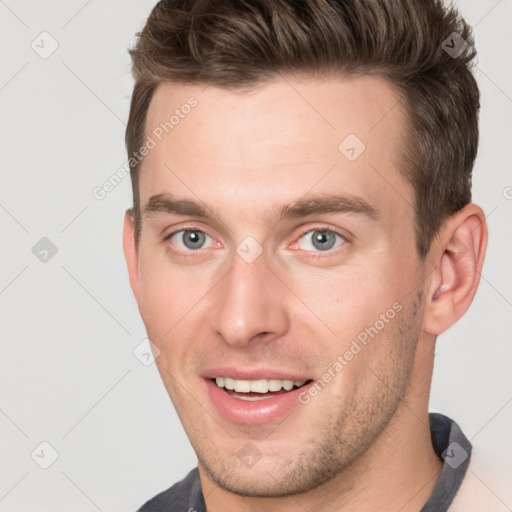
{"points": [[270, 478]]}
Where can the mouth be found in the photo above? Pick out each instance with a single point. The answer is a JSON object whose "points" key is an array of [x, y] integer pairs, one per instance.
{"points": [[260, 389], [255, 401]]}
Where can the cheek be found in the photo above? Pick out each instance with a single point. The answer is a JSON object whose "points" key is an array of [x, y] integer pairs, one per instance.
{"points": [[348, 299], [167, 291], [171, 285], [360, 308], [159, 306], [173, 301]]}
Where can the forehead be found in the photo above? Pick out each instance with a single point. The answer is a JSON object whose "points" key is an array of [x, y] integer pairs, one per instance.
{"points": [[277, 142]]}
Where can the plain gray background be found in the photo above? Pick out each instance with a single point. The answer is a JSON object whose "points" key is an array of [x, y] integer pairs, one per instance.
{"points": [[69, 325]]}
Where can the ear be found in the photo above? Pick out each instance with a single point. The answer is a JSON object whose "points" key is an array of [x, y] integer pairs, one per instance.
{"points": [[130, 252], [457, 256]]}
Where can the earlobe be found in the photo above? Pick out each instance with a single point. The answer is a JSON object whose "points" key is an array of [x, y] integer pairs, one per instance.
{"points": [[130, 251], [458, 256]]}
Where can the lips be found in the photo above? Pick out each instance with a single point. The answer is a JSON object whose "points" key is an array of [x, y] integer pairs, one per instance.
{"points": [[254, 397]]}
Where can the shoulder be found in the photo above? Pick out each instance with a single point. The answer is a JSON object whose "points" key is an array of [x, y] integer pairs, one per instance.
{"points": [[182, 496], [481, 487]]}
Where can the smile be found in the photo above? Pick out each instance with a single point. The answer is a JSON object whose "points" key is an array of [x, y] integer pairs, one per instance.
{"points": [[254, 401], [260, 389]]}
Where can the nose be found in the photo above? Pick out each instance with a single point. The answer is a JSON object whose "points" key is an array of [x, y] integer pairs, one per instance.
{"points": [[250, 303]]}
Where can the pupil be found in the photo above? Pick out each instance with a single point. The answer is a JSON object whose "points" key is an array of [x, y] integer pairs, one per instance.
{"points": [[323, 240], [193, 239]]}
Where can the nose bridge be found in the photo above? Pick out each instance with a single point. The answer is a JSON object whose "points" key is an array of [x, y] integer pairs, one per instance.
{"points": [[249, 302]]}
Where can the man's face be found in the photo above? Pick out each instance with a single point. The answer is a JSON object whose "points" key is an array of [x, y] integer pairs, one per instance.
{"points": [[297, 264]]}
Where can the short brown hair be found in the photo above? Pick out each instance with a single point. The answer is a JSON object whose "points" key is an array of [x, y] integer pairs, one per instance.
{"points": [[236, 44]]}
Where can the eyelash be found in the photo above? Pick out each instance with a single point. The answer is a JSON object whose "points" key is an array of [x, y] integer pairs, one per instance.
{"points": [[314, 254]]}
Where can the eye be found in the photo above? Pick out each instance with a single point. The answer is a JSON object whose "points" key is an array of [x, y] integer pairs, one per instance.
{"points": [[189, 239], [320, 240]]}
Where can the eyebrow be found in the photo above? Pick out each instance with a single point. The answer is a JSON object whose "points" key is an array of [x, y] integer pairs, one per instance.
{"points": [[329, 204], [166, 203]]}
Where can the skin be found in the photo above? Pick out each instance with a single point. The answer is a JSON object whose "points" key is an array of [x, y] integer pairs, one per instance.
{"points": [[245, 155]]}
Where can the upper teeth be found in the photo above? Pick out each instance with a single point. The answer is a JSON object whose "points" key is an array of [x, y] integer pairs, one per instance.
{"points": [[257, 386]]}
